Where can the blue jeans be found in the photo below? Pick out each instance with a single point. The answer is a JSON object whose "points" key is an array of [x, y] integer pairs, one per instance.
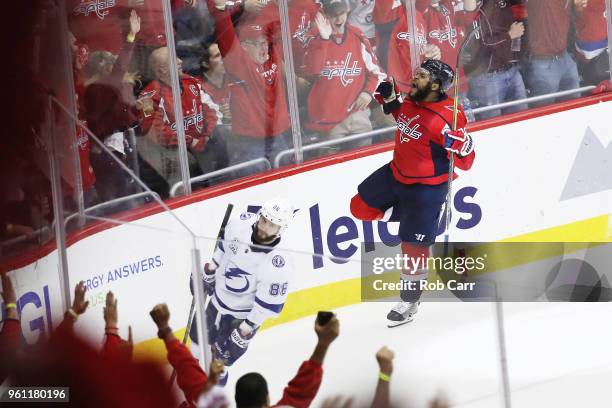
{"points": [[245, 148], [552, 74], [497, 87]]}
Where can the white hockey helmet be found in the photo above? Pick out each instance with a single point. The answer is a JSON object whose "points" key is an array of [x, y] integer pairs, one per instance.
{"points": [[278, 211]]}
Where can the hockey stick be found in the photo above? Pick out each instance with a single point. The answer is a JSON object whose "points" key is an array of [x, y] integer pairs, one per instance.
{"points": [[451, 164], [228, 212]]}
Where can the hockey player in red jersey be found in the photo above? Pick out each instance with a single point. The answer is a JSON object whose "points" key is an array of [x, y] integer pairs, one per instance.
{"points": [[413, 186], [345, 73]]}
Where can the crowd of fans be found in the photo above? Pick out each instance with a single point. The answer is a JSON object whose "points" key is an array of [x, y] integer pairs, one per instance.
{"points": [[234, 78], [109, 376]]}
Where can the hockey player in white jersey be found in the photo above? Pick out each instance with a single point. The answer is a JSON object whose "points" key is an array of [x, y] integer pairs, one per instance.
{"points": [[247, 280]]}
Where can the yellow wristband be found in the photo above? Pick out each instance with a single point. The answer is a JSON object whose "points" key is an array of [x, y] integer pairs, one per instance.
{"points": [[384, 377], [72, 313], [131, 37], [10, 306]]}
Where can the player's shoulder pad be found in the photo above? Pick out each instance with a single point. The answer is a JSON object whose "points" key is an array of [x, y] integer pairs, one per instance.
{"points": [[242, 223]]}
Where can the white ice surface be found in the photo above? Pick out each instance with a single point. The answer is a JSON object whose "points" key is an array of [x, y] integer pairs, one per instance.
{"points": [[559, 355]]}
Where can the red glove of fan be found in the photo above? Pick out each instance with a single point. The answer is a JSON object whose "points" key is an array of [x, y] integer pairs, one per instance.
{"points": [[458, 141], [603, 86]]}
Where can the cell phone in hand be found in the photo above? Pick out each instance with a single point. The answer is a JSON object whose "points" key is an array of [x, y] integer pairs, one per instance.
{"points": [[324, 317]]}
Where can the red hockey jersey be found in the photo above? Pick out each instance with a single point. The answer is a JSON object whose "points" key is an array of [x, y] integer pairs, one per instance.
{"points": [[591, 29], [200, 113], [399, 64], [219, 96], [103, 24], [301, 23], [340, 73], [258, 102], [302, 15], [448, 29], [191, 379], [419, 155]]}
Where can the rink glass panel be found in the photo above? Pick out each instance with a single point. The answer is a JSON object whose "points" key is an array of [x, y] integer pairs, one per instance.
{"points": [[164, 165]]}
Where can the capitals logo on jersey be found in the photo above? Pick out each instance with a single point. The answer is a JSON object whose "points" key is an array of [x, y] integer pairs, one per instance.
{"points": [[193, 117], [343, 70], [236, 280], [421, 40], [100, 7], [407, 129], [269, 75], [301, 33], [446, 34]]}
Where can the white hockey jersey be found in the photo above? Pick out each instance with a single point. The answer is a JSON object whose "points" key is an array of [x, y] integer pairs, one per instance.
{"points": [[250, 282]]}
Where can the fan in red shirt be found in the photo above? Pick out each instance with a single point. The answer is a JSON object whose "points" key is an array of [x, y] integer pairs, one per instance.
{"points": [[11, 328], [200, 116], [592, 41], [385, 15], [99, 24], [215, 83], [103, 24], [251, 389], [344, 71], [400, 58], [109, 110], [260, 119], [412, 188], [302, 14], [447, 23]]}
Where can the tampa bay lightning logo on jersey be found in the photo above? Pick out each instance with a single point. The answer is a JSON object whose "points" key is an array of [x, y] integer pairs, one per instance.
{"points": [[245, 216], [236, 280], [278, 261]]}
